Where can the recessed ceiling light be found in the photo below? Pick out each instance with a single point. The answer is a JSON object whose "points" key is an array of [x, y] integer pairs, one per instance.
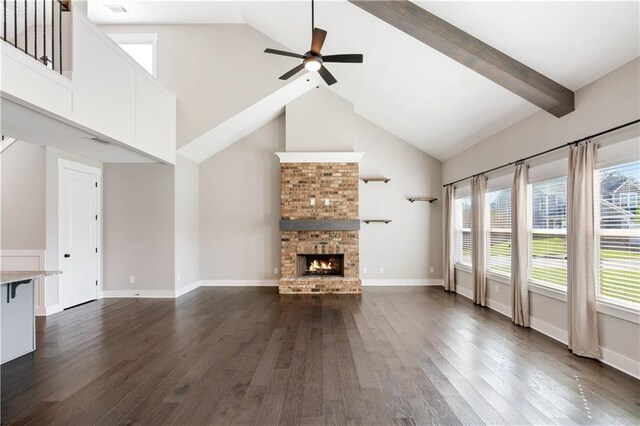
{"points": [[116, 8]]}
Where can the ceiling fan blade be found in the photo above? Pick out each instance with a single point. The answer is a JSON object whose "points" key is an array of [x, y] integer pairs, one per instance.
{"points": [[318, 40], [283, 53], [327, 76], [351, 58], [292, 72]]}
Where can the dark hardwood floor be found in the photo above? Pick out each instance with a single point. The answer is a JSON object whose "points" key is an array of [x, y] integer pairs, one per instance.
{"points": [[393, 356]]}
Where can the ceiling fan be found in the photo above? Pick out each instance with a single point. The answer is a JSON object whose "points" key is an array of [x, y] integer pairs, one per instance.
{"points": [[313, 60]]}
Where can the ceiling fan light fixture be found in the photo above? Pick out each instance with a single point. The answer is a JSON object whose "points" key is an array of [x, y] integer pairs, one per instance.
{"points": [[312, 64]]}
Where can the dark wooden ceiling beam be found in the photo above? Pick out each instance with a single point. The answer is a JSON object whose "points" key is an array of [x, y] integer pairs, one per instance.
{"points": [[473, 53]]}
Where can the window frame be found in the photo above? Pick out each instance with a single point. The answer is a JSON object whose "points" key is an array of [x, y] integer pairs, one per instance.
{"points": [[140, 38]]}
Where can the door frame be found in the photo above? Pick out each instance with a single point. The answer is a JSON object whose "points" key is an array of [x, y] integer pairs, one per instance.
{"points": [[97, 174]]}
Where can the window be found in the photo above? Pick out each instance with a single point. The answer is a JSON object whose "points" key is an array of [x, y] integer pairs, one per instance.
{"points": [[628, 199], [618, 232], [500, 232], [141, 47], [548, 231], [463, 230]]}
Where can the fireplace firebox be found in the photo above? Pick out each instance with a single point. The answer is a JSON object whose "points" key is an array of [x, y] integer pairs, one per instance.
{"points": [[321, 265]]}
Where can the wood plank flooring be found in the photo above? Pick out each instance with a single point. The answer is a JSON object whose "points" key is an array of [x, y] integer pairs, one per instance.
{"points": [[243, 356]]}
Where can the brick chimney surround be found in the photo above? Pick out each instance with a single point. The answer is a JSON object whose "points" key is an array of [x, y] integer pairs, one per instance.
{"points": [[320, 224]]}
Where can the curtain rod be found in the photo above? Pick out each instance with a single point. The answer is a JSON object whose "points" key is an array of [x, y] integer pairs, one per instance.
{"points": [[522, 160]]}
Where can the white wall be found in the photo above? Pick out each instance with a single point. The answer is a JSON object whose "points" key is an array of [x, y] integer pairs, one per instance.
{"points": [[23, 197], [605, 103], [107, 93], [139, 230], [406, 248], [240, 208], [223, 77], [187, 205]]}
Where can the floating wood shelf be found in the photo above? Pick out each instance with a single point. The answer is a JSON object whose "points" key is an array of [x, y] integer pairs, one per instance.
{"points": [[368, 221], [429, 199], [375, 179]]}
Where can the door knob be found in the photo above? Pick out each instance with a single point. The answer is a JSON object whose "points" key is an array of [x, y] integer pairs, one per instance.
{"points": [[67, 255]]}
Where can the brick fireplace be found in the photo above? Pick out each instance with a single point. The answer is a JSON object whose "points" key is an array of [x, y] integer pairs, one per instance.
{"points": [[319, 223]]}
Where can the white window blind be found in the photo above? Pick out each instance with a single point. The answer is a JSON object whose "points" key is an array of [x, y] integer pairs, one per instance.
{"points": [[618, 228], [463, 230], [500, 232], [548, 231]]}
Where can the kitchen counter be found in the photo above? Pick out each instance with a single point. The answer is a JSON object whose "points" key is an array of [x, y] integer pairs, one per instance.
{"points": [[7, 277], [17, 312]]}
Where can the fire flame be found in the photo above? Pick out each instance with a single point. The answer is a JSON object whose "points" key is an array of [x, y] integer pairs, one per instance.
{"points": [[320, 265]]}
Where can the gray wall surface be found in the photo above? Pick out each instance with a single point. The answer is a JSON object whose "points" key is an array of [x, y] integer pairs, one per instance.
{"points": [[222, 78], [23, 197], [407, 247], [606, 102], [240, 196], [187, 225], [240, 208], [139, 227]]}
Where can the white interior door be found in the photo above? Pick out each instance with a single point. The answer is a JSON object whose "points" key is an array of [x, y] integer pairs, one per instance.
{"points": [[78, 233]]}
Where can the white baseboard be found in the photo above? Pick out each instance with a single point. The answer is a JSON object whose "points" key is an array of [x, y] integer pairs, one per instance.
{"points": [[550, 330], [404, 282], [48, 310], [187, 288], [499, 307], [621, 362], [154, 294], [466, 292], [492, 304], [238, 283]]}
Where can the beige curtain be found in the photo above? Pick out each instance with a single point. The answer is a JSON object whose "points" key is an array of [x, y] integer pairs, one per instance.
{"points": [[479, 238], [449, 239], [581, 288], [519, 248]]}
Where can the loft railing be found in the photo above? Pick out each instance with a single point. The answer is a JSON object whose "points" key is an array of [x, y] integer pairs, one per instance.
{"points": [[36, 28]]}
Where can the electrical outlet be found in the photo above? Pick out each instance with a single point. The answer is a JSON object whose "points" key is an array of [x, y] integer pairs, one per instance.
{"points": [[312, 201], [326, 202], [432, 269], [497, 288], [364, 270], [132, 279], [178, 278], [275, 270], [381, 270]]}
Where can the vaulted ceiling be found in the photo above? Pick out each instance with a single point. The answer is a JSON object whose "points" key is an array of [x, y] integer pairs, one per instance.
{"points": [[411, 90]]}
